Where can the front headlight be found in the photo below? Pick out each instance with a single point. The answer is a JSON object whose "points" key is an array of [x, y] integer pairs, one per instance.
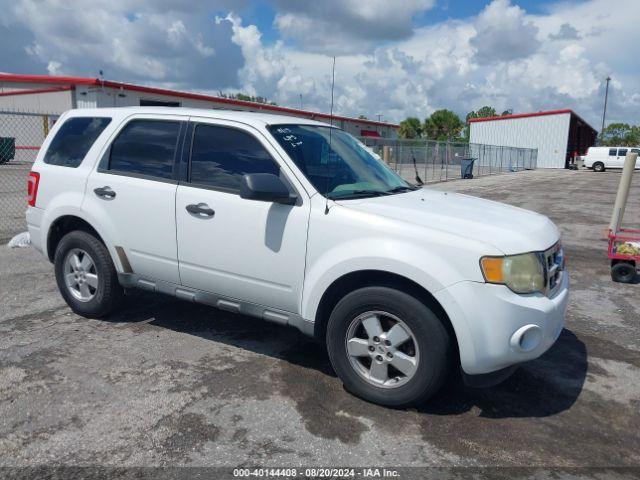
{"points": [[521, 273]]}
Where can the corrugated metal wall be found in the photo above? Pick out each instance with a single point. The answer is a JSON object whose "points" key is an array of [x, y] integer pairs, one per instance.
{"points": [[548, 133], [49, 102], [126, 98]]}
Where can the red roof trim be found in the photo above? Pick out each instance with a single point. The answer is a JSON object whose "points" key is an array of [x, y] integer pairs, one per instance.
{"points": [[47, 79], [522, 115], [32, 91]]}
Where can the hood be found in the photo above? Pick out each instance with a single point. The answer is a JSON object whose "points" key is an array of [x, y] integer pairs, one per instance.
{"points": [[509, 229]]}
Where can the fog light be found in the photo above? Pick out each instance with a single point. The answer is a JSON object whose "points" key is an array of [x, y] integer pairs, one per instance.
{"points": [[526, 338]]}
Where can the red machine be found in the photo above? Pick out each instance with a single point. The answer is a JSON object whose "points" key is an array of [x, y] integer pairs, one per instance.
{"points": [[624, 243], [624, 252]]}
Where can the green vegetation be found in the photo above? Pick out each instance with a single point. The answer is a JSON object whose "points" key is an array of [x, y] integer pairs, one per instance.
{"points": [[410, 128], [444, 125], [621, 134], [246, 98]]}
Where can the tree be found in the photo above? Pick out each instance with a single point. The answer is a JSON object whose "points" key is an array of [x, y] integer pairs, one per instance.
{"points": [[410, 128], [362, 117], [483, 112], [246, 98], [443, 125], [621, 134]]}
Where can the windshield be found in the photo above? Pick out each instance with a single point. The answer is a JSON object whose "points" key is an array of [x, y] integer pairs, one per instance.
{"points": [[337, 164]]}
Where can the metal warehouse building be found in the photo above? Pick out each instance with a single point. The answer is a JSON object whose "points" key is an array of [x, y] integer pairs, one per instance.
{"points": [[55, 94], [558, 135]]}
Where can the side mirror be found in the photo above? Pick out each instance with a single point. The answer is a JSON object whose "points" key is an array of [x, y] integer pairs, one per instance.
{"points": [[266, 187]]}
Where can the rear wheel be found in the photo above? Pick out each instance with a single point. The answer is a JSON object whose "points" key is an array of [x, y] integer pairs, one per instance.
{"points": [[598, 167], [623, 272], [388, 347], [86, 276]]}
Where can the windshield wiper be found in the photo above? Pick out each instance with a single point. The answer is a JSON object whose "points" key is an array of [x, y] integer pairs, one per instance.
{"points": [[358, 194], [402, 188]]}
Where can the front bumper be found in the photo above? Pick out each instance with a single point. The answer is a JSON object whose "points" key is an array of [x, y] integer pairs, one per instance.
{"points": [[497, 328]]}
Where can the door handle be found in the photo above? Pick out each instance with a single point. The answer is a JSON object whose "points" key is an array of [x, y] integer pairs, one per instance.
{"points": [[105, 192], [201, 210]]}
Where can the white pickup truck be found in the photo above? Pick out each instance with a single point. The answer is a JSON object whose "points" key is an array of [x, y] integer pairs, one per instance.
{"points": [[295, 222]]}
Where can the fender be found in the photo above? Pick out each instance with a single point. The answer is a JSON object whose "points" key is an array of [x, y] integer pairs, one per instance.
{"points": [[57, 209], [402, 258]]}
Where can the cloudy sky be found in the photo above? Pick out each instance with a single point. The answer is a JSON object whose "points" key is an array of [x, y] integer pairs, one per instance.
{"points": [[395, 58]]}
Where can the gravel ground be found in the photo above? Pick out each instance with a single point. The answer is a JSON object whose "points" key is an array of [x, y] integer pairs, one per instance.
{"points": [[171, 383]]}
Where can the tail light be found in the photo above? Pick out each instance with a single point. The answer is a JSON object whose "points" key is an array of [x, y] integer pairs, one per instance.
{"points": [[32, 188]]}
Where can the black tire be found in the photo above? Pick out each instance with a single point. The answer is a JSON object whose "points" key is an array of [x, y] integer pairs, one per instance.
{"points": [[623, 272], [431, 336], [108, 294], [598, 167]]}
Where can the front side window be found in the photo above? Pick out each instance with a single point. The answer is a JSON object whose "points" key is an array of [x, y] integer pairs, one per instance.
{"points": [[74, 139], [220, 156], [145, 147], [337, 164]]}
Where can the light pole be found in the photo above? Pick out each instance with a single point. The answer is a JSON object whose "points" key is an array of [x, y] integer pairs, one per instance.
{"points": [[604, 111]]}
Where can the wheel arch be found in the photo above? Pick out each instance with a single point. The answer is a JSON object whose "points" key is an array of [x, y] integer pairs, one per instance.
{"points": [[65, 224], [355, 280]]}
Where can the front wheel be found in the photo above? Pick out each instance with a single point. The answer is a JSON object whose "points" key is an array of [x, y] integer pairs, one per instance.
{"points": [[86, 276], [388, 347]]}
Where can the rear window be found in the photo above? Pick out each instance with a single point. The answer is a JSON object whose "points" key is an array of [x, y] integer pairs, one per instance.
{"points": [[145, 147], [74, 139]]}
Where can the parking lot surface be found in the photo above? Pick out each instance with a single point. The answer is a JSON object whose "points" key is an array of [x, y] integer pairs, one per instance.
{"points": [[166, 382]]}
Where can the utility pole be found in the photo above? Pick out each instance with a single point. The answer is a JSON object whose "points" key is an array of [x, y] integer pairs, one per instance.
{"points": [[379, 117], [300, 101], [604, 111]]}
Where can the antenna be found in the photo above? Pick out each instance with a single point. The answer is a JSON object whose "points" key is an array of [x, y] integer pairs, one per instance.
{"points": [[333, 83]]}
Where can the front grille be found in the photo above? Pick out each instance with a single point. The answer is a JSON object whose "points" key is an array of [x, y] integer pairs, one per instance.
{"points": [[553, 260]]}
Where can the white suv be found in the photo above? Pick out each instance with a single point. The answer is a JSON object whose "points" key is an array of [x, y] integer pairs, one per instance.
{"points": [[295, 222]]}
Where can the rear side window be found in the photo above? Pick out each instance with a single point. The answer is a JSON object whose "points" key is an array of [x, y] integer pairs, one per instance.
{"points": [[74, 139], [145, 147], [220, 156], [622, 152], [613, 152]]}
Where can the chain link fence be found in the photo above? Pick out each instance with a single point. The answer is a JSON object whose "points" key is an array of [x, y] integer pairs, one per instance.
{"points": [[21, 135], [430, 161]]}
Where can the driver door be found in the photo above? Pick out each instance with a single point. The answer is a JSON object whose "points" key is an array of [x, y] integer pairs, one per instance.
{"points": [[249, 250]]}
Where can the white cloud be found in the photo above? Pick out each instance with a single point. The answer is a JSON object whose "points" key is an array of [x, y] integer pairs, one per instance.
{"points": [[160, 42], [503, 33], [346, 26], [503, 56]]}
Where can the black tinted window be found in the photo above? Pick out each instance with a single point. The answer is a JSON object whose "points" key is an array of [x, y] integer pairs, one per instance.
{"points": [[220, 156], [74, 139], [145, 147], [613, 152], [622, 152]]}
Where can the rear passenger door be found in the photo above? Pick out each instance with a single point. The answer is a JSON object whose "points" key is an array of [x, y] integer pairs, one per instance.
{"points": [[132, 194], [248, 250]]}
